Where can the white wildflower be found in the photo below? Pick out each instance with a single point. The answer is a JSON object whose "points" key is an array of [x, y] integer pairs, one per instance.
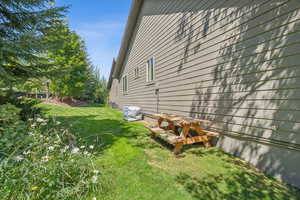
{"points": [[65, 149], [96, 172], [40, 120], [82, 147], [44, 124], [30, 119], [45, 158], [58, 123], [94, 179], [75, 150], [18, 158], [51, 148], [33, 125], [85, 153], [91, 146], [27, 152], [30, 133], [94, 198]]}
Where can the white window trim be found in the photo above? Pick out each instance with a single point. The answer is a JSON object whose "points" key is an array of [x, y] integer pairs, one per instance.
{"points": [[148, 70], [127, 84], [136, 72]]}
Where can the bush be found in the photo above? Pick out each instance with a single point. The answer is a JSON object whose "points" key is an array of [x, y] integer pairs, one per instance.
{"points": [[42, 160], [9, 114], [28, 107]]}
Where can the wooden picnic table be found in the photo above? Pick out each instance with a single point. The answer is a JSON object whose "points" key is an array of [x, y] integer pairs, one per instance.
{"points": [[184, 136]]}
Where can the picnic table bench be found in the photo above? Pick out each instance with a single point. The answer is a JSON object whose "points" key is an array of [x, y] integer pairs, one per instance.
{"points": [[182, 130]]}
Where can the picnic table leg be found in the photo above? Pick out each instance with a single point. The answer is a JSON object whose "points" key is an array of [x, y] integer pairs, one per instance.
{"points": [[159, 121], [206, 142], [185, 131], [200, 131], [171, 126], [178, 148], [198, 128]]}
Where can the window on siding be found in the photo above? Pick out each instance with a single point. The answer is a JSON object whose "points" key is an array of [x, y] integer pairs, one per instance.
{"points": [[125, 83], [150, 71], [136, 72]]}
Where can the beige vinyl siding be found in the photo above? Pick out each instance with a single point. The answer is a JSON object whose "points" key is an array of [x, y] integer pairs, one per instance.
{"points": [[235, 62], [114, 94]]}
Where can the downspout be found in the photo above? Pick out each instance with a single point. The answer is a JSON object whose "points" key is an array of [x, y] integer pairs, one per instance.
{"points": [[157, 100]]}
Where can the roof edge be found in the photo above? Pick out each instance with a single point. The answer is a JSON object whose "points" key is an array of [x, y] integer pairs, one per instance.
{"points": [[130, 27], [111, 75]]}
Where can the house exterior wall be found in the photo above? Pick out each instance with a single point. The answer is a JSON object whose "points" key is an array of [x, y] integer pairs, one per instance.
{"points": [[114, 93], [235, 62]]}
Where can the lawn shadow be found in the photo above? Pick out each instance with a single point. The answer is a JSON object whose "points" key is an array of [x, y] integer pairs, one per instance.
{"points": [[241, 181], [162, 143], [102, 133], [239, 185]]}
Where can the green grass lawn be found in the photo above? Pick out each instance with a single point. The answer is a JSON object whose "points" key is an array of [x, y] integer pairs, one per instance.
{"points": [[135, 167]]}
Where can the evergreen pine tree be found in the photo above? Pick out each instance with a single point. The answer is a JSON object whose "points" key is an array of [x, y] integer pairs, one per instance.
{"points": [[23, 26]]}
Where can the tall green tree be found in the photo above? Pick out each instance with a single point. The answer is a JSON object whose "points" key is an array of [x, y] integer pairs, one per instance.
{"points": [[32, 86], [71, 60], [23, 26], [96, 87]]}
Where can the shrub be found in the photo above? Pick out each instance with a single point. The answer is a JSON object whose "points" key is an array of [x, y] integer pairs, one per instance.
{"points": [[42, 160], [28, 107], [9, 114]]}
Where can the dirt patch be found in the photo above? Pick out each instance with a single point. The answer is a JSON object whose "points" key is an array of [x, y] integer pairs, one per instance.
{"points": [[67, 103]]}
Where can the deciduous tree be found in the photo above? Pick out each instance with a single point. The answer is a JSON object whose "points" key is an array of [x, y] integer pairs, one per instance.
{"points": [[71, 61]]}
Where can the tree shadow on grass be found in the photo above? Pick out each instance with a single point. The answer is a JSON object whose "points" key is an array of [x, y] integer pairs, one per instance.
{"points": [[240, 182], [239, 185], [103, 133], [162, 143]]}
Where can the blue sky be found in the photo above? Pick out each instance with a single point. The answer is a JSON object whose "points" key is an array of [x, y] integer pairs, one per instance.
{"points": [[101, 24]]}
